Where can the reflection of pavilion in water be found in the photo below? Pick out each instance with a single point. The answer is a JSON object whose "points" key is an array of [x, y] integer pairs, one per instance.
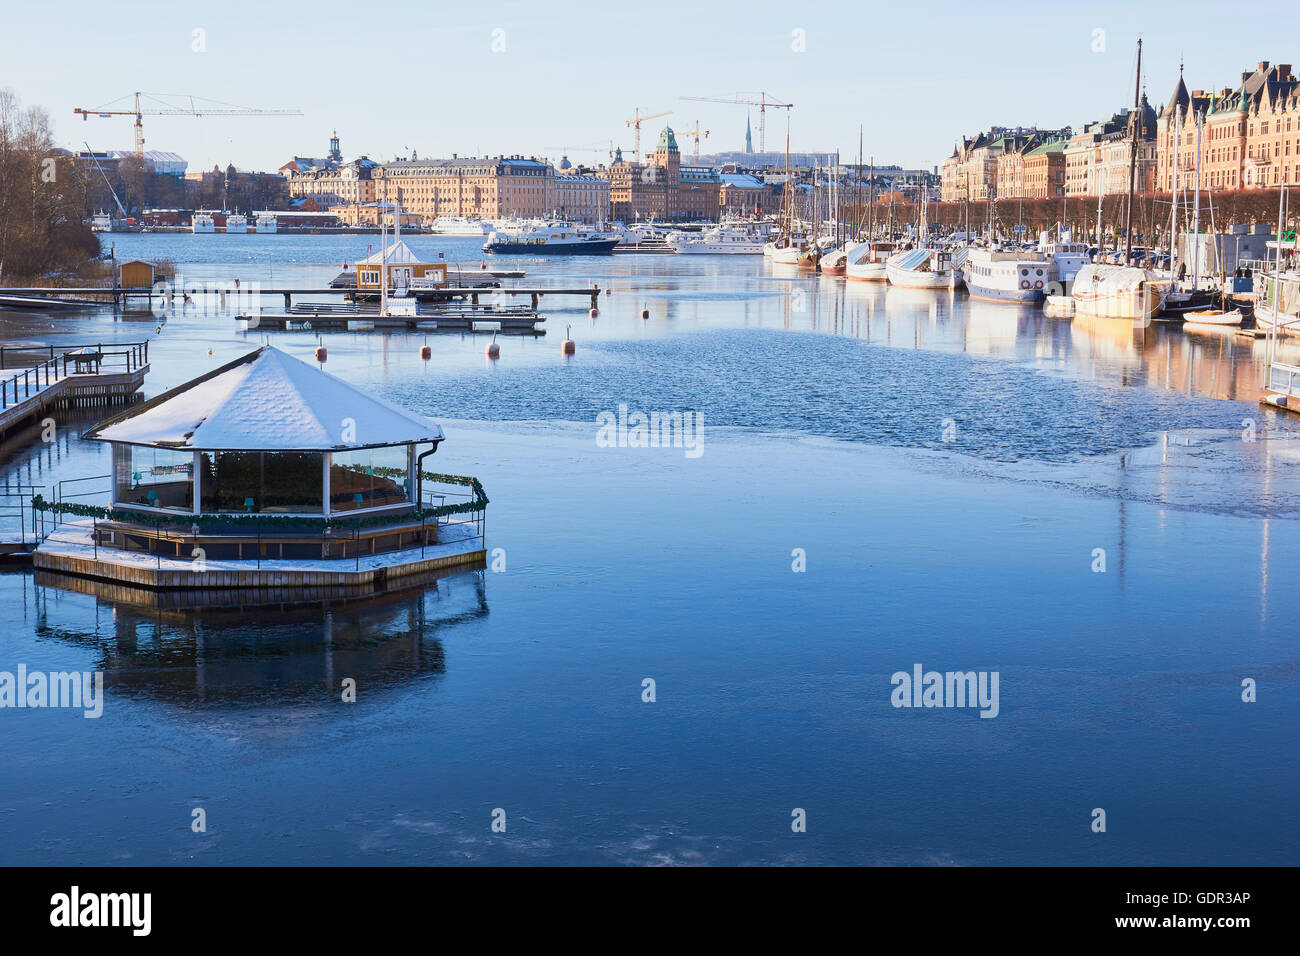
{"points": [[260, 653]]}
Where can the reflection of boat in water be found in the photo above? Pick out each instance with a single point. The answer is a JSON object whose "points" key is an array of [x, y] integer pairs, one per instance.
{"points": [[283, 653]]}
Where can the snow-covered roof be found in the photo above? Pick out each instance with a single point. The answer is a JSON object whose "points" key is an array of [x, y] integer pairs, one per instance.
{"points": [[266, 401], [398, 255]]}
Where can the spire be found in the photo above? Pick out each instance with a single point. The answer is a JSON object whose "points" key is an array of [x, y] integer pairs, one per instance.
{"points": [[749, 136]]}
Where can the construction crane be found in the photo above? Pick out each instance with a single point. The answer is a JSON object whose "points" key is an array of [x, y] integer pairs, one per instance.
{"points": [[697, 134], [197, 107], [635, 122], [763, 102]]}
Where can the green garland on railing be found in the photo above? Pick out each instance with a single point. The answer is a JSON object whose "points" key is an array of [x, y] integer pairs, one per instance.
{"points": [[478, 502]]}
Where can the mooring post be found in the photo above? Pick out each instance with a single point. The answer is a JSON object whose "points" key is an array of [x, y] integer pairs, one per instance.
{"points": [[534, 301], [287, 300]]}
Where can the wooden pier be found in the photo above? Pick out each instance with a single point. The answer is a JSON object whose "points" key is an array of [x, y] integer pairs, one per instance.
{"points": [[89, 375], [426, 318], [45, 298]]}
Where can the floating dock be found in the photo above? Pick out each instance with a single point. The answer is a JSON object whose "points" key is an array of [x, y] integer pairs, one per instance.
{"points": [[73, 550], [89, 375]]}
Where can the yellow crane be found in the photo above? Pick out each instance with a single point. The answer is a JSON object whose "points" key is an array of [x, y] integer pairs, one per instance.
{"points": [[197, 106], [635, 122], [764, 102], [697, 134]]}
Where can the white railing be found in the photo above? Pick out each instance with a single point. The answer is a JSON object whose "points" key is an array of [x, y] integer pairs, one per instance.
{"points": [[1284, 378]]}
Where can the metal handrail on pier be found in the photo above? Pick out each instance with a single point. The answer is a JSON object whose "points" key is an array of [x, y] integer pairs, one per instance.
{"points": [[29, 380]]}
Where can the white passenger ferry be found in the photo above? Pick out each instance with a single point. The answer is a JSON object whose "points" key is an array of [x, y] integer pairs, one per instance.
{"points": [[460, 226], [202, 222], [997, 276], [718, 241]]}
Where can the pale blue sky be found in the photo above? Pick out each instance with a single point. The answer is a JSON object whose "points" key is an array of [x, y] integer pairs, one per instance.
{"points": [[917, 75]]}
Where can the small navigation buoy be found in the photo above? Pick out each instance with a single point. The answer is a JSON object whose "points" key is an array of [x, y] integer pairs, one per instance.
{"points": [[209, 351], [493, 350], [592, 313], [568, 347], [321, 353], [645, 313], [482, 265], [426, 353], [609, 292]]}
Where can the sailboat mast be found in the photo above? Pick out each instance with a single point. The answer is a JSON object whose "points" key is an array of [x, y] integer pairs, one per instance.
{"points": [[1173, 224], [1277, 278], [1135, 125], [1196, 210], [871, 197]]}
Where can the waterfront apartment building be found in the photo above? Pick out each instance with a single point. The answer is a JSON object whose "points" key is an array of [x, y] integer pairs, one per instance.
{"points": [[1249, 136], [972, 170], [334, 185], [740, 194], [1097, 160], [662, 188], [1044, 170], [489, 188], [582, 195]]}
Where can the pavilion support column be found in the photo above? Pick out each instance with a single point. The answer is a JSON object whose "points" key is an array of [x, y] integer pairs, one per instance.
{"points": [[198, 483], [325, 484]]}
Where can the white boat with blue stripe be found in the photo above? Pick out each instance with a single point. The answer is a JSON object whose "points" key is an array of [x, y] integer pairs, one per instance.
{"points": [[1017, 277]]}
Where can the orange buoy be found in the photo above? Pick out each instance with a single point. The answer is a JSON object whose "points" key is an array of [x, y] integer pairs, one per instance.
{"points": [[568, 346], [493, 350], [592, 313], [321, 353], [426, 353], [609, 292], [482, 265], [645, 313]]}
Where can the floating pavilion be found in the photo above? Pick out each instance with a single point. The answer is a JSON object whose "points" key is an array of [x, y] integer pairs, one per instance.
{"points": [[266, 473]]}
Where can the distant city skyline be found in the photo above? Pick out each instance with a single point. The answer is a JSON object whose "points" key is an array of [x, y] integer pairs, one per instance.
{"points": [[509, 78]]}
